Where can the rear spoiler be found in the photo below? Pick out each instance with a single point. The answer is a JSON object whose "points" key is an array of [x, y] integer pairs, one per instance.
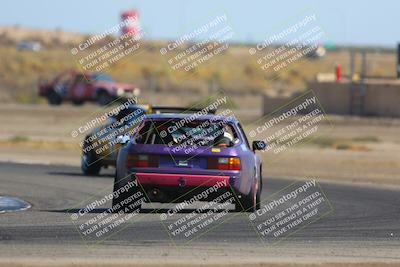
{"points": [[164, 109]]}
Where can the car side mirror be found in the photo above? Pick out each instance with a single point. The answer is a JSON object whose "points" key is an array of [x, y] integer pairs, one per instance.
{"points": [[259, 145], [123, 139]]}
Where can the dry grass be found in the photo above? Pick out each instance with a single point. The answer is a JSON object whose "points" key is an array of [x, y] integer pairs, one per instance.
{"points": [[25, 142], [234, 69], [353, 144]]}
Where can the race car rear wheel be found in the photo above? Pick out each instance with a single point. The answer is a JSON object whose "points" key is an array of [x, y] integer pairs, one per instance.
{"points": [[125, 201], [259, 189], [78, 102], [90, 165], [104, 98], [250, 202], [53, 98]]}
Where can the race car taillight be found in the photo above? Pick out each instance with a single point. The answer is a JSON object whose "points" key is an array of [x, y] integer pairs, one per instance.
{"points": [[232, 164], [141, 161]]}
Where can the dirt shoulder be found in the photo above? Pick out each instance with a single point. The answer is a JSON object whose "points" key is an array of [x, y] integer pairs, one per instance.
{"points": [[125, 263]]}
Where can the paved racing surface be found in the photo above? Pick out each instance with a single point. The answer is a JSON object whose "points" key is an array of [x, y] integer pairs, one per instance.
{"points": [[363, 226]]}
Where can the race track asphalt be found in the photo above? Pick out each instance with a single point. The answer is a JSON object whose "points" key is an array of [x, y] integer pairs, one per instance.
{"points": [[363, 224]]}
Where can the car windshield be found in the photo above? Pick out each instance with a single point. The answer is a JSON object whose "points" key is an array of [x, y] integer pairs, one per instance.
{"points": [[195, 133], [130, 115], [99, 77]]}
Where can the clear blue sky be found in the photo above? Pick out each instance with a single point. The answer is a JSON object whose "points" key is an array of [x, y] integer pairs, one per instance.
{"points": [[345, 21]]}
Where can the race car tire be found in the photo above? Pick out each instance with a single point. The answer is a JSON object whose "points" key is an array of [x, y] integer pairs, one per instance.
{"points": [[90, 165], [54, 99], [103, 98], [78, 102], [258, 199], [120, 204], [259, 189], [250, 202]]}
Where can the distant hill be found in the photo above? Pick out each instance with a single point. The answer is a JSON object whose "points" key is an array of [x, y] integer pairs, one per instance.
{"points": [[15, 34]]}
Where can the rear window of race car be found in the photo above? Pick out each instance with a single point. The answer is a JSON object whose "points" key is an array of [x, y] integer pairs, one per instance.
{"points": [[197, 132]]}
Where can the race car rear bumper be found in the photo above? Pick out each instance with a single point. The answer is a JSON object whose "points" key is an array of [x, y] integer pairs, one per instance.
{"points": [[174, 188], [182, 180]]}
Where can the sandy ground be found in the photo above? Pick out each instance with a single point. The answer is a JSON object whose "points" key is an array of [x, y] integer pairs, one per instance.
{"points": [[233, 256], [124, 263]]}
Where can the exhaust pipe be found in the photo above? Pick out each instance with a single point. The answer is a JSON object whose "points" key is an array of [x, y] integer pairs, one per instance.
{"points": [[155, 194]]}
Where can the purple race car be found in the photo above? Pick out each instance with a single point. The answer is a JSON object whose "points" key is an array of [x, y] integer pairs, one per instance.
{"points": [[175, 157]]}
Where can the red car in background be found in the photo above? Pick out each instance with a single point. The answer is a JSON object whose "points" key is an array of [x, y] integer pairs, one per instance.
{"points": [[79, 87]]}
